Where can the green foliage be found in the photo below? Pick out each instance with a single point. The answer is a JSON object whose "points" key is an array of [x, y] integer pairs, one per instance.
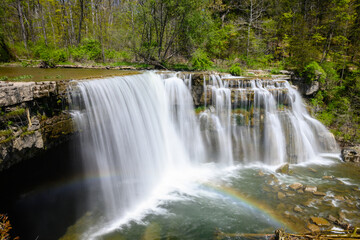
{"points": [[5, 132], [49, 55], [90, 49], [200, 60], [326, 117], [17, 112], [20, 78], [275, 71], [4, 78], [332, 77], [5, 54], [314, 72], [236, 70], [199, 109], [318, 99], [26, 133]]}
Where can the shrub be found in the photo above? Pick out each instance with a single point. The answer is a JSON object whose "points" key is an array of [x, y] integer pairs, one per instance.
{"points": [[90, 49], [200, 60], [314, 72], [236, 70]]}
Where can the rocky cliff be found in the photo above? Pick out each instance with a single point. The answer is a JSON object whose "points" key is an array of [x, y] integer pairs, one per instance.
{"points": [[34, 117]]}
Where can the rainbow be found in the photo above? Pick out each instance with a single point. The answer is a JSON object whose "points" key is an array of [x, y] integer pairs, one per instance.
{"points": [[236, 195]]}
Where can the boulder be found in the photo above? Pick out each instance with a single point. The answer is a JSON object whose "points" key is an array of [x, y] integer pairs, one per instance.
{"points": [[296, 186], [298, 209], [310, 189], [281, 195], [313, 88], [321, 222], [321, 194], [284, 169], [339, 198], [350, 155], [313, 228], [328, 177]]}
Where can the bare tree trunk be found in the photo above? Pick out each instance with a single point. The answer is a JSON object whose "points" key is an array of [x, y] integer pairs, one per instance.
{"points": [[249, 28], [93, 17], [53, 29], [71, 20], [21, 19], [43, 23], [81, 19]]}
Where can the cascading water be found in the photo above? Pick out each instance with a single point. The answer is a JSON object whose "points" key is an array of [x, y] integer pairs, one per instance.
{"points": [[130, 138], [138, 130], [269, 122]]}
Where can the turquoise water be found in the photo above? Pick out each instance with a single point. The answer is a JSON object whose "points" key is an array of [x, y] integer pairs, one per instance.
{"points": [[240, 200]]}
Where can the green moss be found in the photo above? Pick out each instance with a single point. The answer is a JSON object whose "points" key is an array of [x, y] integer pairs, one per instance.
{"points": [[4, 78], [275, 71], [199, 109], [17, 112], [5, 132], [27, 133], [22, 77], [7, 140]]}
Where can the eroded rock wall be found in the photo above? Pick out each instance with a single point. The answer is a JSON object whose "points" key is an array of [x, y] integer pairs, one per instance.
{"points": [[34, 117]]}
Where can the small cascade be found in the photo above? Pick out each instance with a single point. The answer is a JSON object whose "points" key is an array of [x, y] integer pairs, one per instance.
{"points": [[261, 121]]}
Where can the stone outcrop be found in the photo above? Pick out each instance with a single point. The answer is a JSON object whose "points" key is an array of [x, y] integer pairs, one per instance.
{"points": [[34, 117], [350, 155], [306, 89]]}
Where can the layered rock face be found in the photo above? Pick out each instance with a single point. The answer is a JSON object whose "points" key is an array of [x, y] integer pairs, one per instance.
{"points": [[33, 118]]}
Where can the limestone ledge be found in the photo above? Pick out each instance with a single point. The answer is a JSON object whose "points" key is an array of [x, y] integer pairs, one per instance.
{"points": [[34, 117]]}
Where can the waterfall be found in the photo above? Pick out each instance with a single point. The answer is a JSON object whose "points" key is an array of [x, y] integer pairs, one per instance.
{"points": [[269, 122], [136, 129], [130, 138]]}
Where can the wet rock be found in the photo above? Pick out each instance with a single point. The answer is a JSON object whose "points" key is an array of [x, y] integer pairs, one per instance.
{"points": [[284, 169], [350, 155], [313, 228], [312, 170], [321, 194], [261, 173], [309, 203], [296, 186], [342, 215], [266, 189], [275, 188], [300, 190], [338, 222], [332, 219], [328, 177], [289, 194], [280, 206], [322, 222], [310, 189], [281, 195], [287, 214], [283, 187], [298, 209], [339, 198]]}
